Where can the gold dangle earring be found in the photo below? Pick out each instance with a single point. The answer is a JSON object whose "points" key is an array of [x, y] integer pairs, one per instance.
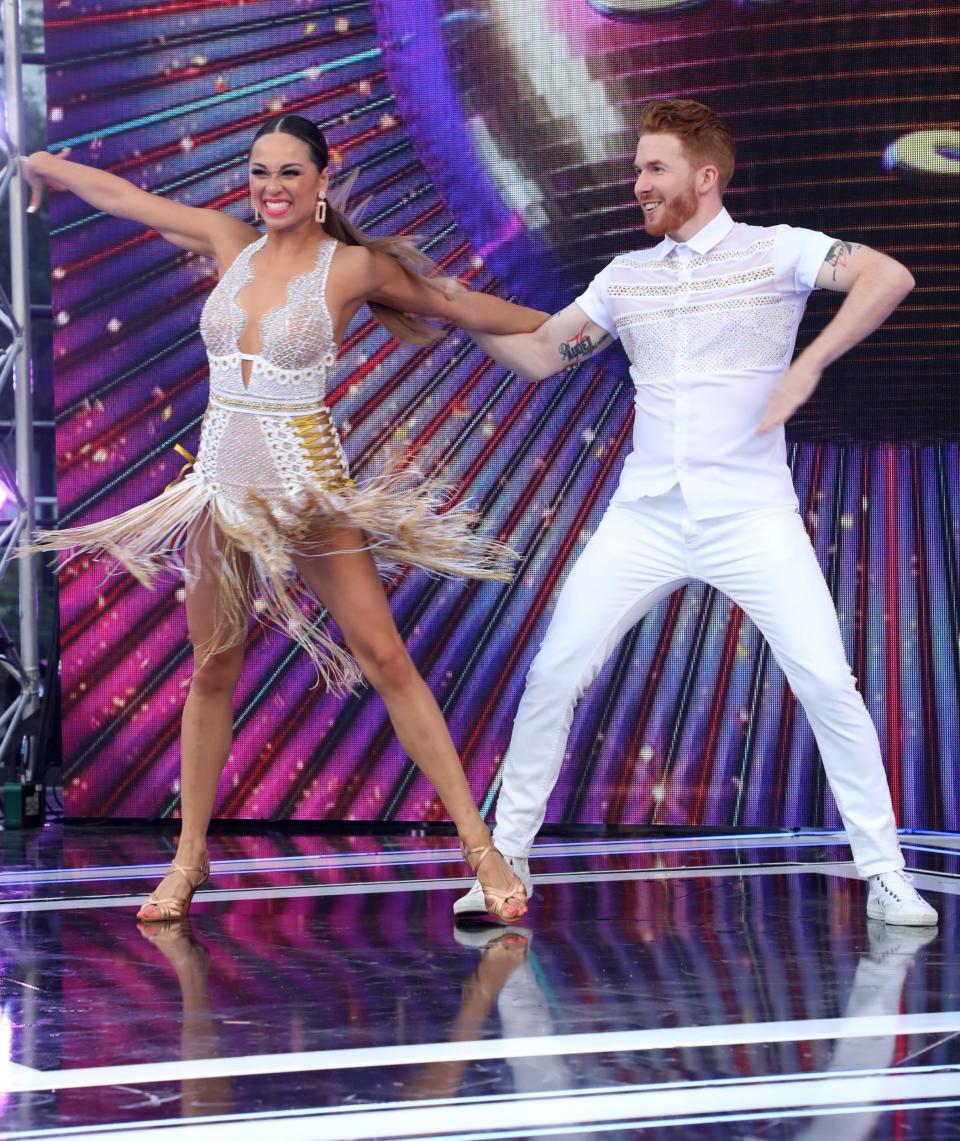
{"points": [[256, 215], [320, 214]]}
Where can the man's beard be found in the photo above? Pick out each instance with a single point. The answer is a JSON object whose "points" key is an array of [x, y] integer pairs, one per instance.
{"points": [[675, 213]]}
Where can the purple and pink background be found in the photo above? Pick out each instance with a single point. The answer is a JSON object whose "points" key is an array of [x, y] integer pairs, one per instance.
{"points": [[501, 131]]}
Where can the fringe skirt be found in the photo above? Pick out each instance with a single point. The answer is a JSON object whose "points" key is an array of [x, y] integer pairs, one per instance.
{"points": [[405, 522]]}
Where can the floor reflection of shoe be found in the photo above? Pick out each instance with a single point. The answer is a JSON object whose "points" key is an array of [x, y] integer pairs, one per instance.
{"points": [[894, 899], [175, 939], [888, 941], [161, 909], [481, 937], [472, 903]]}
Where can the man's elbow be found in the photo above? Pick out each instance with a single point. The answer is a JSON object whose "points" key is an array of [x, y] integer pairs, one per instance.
{"points": [[899, 279], [907, 280]]}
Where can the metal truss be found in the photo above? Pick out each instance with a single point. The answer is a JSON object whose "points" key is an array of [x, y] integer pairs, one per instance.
{"points": [[20, 687]]}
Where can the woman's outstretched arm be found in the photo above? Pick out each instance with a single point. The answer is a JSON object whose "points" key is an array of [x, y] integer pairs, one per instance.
{"points": [[206, 232], [382, 279]]}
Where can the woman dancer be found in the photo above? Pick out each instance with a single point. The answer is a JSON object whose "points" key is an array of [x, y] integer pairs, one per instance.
{"points": [[269, 510]]}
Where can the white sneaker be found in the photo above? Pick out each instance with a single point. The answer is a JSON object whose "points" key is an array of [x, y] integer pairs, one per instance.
{"points": [[894, 899], [472, 902]]}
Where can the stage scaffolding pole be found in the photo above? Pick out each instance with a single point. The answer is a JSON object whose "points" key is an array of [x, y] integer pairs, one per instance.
{"points": [[17, 723]]}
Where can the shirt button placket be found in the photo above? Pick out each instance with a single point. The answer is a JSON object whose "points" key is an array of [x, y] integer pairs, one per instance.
{"points": [[681, 380]]}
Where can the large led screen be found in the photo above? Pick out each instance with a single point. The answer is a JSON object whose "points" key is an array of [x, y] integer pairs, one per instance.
{"points": [[502, 132]]}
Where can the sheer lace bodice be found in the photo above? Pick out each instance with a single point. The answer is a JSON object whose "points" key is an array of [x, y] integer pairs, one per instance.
{"points": [[271, 432], [296, 340]]}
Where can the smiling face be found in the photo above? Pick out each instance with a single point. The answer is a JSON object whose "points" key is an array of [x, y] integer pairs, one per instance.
{"points": [[284, 181], [675, 196]]}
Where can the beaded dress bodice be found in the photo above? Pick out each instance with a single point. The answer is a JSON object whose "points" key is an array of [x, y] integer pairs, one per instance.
{"points": [[275, 432]]}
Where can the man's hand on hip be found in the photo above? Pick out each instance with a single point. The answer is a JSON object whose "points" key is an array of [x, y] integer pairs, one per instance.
{"points": [[794, 388]]}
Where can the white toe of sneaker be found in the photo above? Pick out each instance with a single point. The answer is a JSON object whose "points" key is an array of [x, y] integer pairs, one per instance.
{"points": [[471, 903], [894, 899]]}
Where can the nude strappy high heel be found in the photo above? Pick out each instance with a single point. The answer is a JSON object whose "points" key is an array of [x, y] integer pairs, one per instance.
{"points": [[157, 909], [496, 899]]}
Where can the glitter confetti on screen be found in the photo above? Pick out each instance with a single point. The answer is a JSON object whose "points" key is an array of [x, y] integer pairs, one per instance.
{"points": [[501, 132]]}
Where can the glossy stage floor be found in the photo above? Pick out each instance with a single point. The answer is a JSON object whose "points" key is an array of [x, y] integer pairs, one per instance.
{"points": [[723, 987]]}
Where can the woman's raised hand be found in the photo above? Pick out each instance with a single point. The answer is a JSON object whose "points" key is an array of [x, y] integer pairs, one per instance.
{"points": [[37, 181]]}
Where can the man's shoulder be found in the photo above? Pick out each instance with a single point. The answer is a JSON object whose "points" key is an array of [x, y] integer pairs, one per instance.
{"points": [[642, 255], [646, 258], [748, 234]]}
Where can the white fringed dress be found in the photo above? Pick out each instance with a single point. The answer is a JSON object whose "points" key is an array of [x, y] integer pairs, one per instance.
{"points": [[271, 481]]}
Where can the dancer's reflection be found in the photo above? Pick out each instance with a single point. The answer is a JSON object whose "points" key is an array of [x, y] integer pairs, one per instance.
{"points": [[199, 1037], [503, 954], [505, 978], [877, 989]]}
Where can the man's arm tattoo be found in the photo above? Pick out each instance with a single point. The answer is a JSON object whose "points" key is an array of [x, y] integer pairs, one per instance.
{"points": [[839, 255], [581, 345]]}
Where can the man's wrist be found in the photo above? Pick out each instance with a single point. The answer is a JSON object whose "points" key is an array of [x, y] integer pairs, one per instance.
{"points": [[815, 357]]}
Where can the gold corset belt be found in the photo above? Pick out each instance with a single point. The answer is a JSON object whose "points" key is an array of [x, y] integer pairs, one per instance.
{"points": [[319, 439], [314, 428]]}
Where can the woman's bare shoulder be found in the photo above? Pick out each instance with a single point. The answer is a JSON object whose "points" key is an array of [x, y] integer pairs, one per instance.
{"points": [[353, 270], [231, 240]]}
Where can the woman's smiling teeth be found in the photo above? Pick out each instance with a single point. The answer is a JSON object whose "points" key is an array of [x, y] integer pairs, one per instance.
{"points": [[275, 207]]}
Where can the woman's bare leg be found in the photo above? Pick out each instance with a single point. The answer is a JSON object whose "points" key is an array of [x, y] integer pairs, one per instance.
{"points": [[349, 586], [207, 723]]}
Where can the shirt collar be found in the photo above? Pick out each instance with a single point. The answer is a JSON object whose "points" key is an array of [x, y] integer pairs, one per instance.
{"points": [[704, 239]]}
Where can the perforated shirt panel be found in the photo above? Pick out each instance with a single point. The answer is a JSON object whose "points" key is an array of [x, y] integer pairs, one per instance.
{"points": [[709, 326]]}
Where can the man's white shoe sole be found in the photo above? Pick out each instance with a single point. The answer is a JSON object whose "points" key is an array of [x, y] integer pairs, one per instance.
{"points": [[888, 915]]}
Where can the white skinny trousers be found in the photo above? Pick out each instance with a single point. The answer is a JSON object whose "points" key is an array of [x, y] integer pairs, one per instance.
{"points": [[763, 560]]}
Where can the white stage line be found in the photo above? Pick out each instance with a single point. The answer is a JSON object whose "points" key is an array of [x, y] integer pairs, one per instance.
{"points": [[700, 1102], [615, 1041], [258, 865], [13, 1071], [929, 881], [545, 851], [374, 887]]}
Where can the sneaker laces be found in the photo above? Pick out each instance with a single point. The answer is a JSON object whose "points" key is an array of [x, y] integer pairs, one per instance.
{"points": [[882, 882]]}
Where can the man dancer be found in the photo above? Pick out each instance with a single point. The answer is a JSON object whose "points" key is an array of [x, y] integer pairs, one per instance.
{"points": [[708, 319]]}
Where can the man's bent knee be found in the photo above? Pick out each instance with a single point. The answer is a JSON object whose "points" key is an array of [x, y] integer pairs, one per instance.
{"points": [[561, 675], [824, 688]]}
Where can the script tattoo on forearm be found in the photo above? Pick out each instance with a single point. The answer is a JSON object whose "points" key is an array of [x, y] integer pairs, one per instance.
{"points": [[839, 255], [581, 345]]}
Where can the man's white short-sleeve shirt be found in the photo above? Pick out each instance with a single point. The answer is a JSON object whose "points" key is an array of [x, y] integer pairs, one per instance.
{"points": [[709, 326]]}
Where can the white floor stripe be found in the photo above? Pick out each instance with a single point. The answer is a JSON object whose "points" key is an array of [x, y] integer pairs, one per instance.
{"points": [[374, 887], [14, 1072], [548, 850], [545, 851], [681, 1037], [871, 1092], [946, 840]]}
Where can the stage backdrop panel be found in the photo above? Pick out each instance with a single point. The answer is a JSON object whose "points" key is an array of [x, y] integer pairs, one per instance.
{"points": [[502, 132]]}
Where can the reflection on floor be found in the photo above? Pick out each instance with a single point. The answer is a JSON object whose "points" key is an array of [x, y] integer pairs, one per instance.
{"points": [[723, 987]]}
